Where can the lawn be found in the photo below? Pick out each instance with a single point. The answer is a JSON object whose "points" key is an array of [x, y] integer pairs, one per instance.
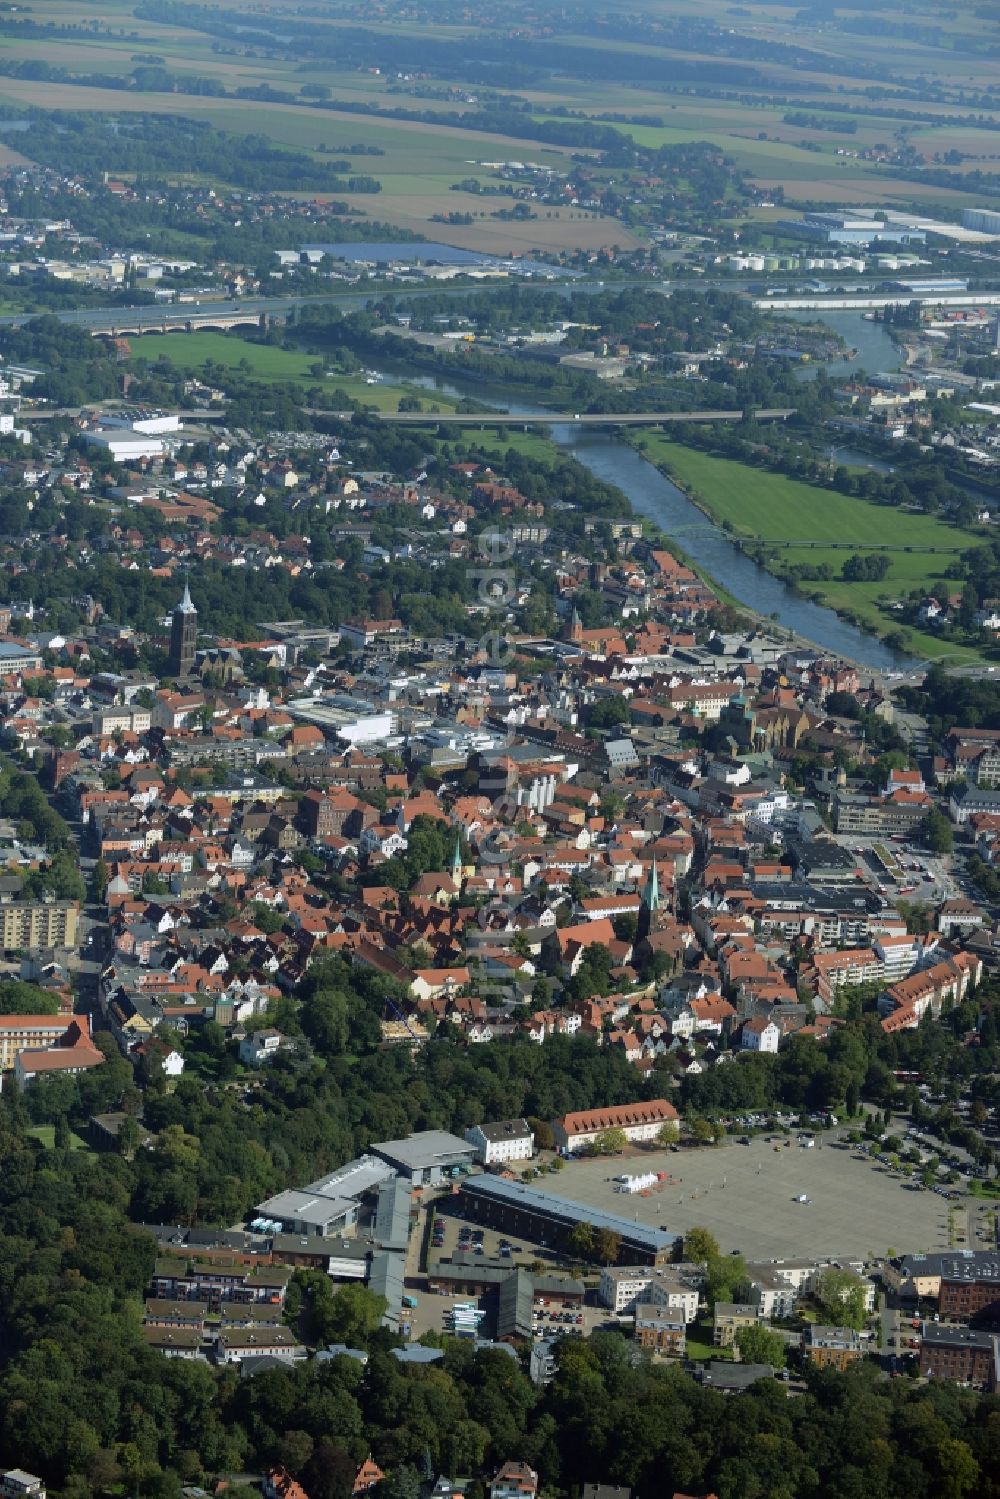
{"points": [[767, 507], [528, 444], [772, 508], [699, 1343], [46, 1134], [191, 352]]}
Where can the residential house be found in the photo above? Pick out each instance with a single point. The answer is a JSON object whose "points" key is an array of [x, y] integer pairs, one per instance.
{"points": [[368, 1477], [507, 1140], [760, 1034], [514, 1481], [260, 1047], [832, 1347], [728, 1318], [660, 1329]]}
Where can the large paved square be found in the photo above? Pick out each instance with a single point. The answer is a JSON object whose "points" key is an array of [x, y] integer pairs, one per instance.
{"points": [[746, 1196]]}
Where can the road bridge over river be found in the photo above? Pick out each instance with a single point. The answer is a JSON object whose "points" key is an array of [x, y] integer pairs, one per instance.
{"points": [[578, 419]]}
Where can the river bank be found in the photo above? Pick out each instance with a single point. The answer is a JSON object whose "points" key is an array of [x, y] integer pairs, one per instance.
{"points": [[707, 548], [716, 545], [804, 534]]}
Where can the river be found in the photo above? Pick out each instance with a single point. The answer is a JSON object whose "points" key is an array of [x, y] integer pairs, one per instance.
{"points": [[651, 494], [876, 352], [657, 498], [654, 496]]}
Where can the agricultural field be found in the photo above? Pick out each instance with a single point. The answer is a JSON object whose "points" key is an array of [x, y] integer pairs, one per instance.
{"points": [[420, 164], [197, 354], [930, 68], [771, 508]]}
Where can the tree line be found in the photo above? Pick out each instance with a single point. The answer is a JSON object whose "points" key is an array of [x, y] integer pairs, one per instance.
{"points": [[154, 144]]}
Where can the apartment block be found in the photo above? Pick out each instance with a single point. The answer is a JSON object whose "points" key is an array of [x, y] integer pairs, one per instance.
{"points": [[28, 924]]}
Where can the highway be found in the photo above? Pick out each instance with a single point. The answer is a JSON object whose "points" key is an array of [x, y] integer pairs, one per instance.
{"points": [[894, 299], [175, 317], [484, 420], [248, 310], [210, 313]]}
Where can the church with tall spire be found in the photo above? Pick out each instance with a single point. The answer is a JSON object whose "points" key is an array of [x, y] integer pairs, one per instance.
{"points": [[649, 905], [183, 637]]}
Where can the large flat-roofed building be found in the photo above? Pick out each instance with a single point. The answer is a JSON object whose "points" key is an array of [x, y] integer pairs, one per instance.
{"points": [[971, 1292], [851, 229], [74, 1052], [984, 220], [638, 1121], [391, 1227], [329, 1205], [24, 1032], [124, 445], [342, 717], [15, 659], [518, 1294], [624, 1287], [44, 923], [303, 1211], [965, 1284], [425, 1158], [539, 1216]]}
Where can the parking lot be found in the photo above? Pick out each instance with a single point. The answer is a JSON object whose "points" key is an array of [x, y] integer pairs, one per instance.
{"points": [[747, 1196], [916, 873], [456, 1232], [450, 1233]]}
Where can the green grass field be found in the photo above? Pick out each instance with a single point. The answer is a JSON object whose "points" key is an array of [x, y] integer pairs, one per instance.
{"points": [[700, 1345], [773, 508], [192, 352], [494, 446], [770, 508], [46, 1134]]}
